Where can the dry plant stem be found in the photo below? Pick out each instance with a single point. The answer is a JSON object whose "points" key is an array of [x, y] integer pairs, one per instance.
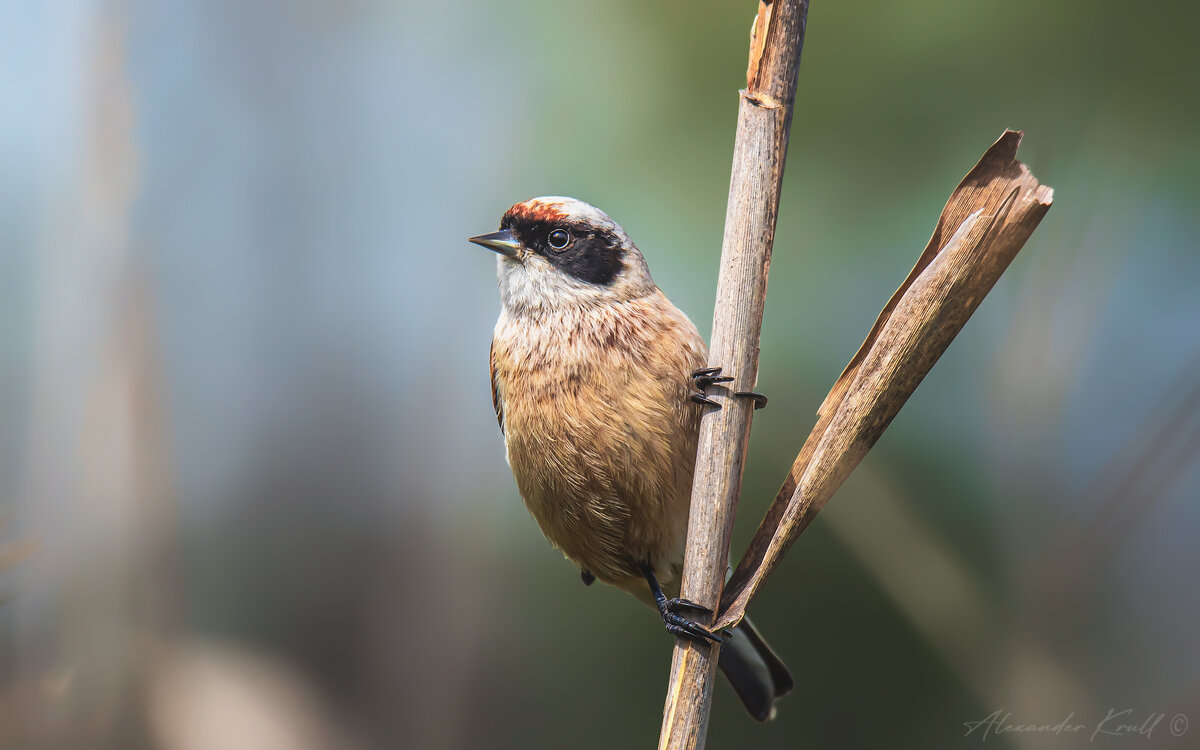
{"points": [[764, 117], [986, 221]]}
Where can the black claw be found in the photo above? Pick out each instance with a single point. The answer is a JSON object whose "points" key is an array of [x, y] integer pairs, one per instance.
{"points": [[759, 400], [706, 376], [703, 378], [704, 381], [674, 619], [588, 577], [685, 628], [676, 604], [676, 623]]}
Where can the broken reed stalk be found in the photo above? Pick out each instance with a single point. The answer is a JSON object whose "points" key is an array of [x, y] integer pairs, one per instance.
{"points": [[760, 149], [987, 219]]}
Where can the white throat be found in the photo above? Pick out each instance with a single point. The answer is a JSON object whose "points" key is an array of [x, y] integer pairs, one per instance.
{"points": [[534, 286]]}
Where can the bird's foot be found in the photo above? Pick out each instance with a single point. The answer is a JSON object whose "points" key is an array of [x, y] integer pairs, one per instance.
{"points": [[760, 400], [707, 376], [679, 625]]}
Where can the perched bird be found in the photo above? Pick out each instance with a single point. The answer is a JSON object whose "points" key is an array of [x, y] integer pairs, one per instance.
{"points": [[598, 383]]}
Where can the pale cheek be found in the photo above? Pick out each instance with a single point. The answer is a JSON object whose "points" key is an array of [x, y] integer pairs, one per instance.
{"points": [[534, 283]]}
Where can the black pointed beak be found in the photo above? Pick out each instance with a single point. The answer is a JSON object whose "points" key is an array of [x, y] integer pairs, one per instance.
{"points": [[503, 242]]}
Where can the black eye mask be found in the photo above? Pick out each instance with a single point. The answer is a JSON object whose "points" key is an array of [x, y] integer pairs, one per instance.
{"points": [[593, 256]]}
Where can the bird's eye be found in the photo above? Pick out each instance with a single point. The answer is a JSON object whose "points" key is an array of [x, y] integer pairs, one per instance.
{"points": [[559, 239]]}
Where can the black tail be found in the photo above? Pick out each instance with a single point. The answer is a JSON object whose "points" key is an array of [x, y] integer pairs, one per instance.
{"points": [[756, 673]]}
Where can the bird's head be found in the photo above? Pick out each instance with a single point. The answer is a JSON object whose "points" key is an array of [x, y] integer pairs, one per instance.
{"points": [[559, 253]]}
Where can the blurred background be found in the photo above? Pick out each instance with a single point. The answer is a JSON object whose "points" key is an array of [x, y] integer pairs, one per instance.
{"points": [[252, 493]]}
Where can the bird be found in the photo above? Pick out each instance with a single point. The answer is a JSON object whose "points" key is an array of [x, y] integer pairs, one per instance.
{"points": [[598, 383]]}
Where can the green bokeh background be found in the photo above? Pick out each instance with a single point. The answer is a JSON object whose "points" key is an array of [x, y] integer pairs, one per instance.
{"points": [[245, 421]]}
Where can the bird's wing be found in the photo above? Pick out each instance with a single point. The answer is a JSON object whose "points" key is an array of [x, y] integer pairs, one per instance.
{"points": [[497, 400]]}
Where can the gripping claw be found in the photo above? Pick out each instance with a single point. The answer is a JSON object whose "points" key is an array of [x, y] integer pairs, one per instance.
{"points": [[673, 619], [759, 400], [707, 376]]}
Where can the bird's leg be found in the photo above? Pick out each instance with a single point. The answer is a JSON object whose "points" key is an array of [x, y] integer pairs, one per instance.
{"points": [[707, 376], [676, 623]]}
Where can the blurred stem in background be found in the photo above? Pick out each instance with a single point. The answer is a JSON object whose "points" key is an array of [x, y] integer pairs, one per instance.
{"points": [[96, 483]]}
